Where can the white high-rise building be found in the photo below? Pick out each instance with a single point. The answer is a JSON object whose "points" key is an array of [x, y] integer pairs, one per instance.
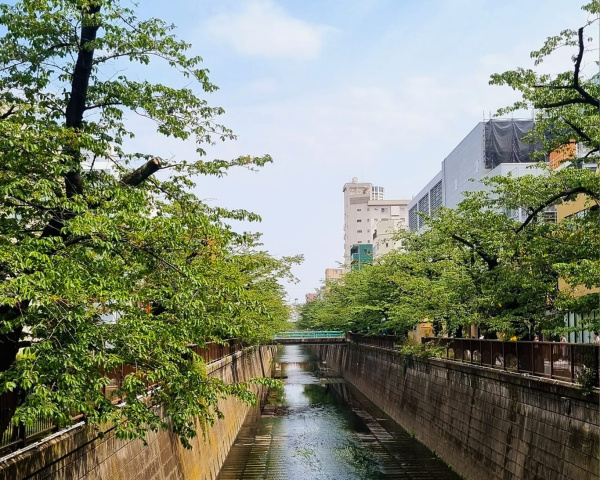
{"points": [[364, 207]]}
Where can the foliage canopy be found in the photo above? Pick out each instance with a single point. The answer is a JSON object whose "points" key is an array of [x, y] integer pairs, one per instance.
{"points": [[79, 246]]}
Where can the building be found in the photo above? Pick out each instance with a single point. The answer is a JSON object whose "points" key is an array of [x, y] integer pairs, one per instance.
{"points": [[311, 297], [576, 322], [364, 207], [361, 255], [494, 147], [383, 236], [332, 274]]}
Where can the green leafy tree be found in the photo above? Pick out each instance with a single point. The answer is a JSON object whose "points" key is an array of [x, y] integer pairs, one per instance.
{"points": [[567, 107], [476, 265], [398, 291], [566, 103], [79, 246]]}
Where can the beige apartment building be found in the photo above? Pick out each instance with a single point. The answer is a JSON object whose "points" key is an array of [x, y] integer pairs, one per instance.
{"points": [[311, 297], [333, 273], [364, 208]]}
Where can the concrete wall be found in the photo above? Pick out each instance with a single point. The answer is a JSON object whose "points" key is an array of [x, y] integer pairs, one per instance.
{"points": [[486, 424], [82, 454]]}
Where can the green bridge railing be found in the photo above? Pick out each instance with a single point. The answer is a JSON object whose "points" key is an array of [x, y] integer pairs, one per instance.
{"points": [[300, 335]]}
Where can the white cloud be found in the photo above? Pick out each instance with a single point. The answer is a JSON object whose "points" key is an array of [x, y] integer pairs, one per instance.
{"points": [[265, 29]]}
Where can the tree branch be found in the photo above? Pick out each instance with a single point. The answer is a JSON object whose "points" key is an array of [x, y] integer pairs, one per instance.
{"points": [[132, 179], [104, 104], [556, 87], [562, 103], [585, 98], [492, 262], [591, 100], [138, 176], [8, 113], [553, 199], [58, 45], [579, 131]]}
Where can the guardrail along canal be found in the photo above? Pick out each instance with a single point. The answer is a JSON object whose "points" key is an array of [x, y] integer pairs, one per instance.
{"points": [[319, 427]]}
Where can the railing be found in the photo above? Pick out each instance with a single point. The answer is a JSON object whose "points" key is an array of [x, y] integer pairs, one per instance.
{"points": [[557, 360], [313, 334], [381, 341], [19, 436]]}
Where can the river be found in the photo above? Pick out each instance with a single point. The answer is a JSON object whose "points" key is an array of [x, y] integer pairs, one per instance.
{"points": [[318, 427]]}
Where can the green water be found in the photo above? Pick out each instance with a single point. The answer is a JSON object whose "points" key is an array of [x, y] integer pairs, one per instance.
{"points": [[318, 427]]}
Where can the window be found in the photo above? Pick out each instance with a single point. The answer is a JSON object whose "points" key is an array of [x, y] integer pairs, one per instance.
{"points": [[387, 244], [424, 204], [383, 209], [358, 210], [413, 218], [375, 209], [360, 241], [435, 195], [359, 220], [359, 231]]}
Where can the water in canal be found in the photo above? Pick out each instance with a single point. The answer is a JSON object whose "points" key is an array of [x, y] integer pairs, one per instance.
{"points": [[317, 427]]}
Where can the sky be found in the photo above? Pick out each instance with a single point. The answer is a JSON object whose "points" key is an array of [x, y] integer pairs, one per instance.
{"points": [[382, 90]]}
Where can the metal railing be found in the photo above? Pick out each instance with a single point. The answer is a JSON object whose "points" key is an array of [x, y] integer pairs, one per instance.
{"points": [[381, 341], [308, 334], [557, 360], [19, 436]]}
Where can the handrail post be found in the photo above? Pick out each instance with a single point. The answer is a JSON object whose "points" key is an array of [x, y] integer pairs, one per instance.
{"points": [[470, 351], [571, 359], [517, 354], [503, 356], [22, 434], [597, 366], [551, 361]]}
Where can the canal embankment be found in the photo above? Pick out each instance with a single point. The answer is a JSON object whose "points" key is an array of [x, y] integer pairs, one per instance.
{"points": [[484, 423], [81, 453]]}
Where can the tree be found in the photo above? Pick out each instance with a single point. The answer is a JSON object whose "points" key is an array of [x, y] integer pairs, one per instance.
{"points": [[401, 289], [476, 265], [78, 246], [567, 107], [566, 103]]}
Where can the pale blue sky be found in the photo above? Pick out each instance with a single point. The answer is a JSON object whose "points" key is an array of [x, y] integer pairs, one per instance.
{"points": [[378, 89]]}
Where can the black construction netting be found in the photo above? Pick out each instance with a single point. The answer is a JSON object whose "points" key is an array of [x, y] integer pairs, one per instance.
{"points": [[504, 142]]}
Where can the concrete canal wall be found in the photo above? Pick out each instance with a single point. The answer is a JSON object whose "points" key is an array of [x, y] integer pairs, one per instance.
{"points": [[485, 423], [81, 454]]}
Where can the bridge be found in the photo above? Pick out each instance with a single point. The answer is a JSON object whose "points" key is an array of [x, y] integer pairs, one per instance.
{"points": [[309, 338]]}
